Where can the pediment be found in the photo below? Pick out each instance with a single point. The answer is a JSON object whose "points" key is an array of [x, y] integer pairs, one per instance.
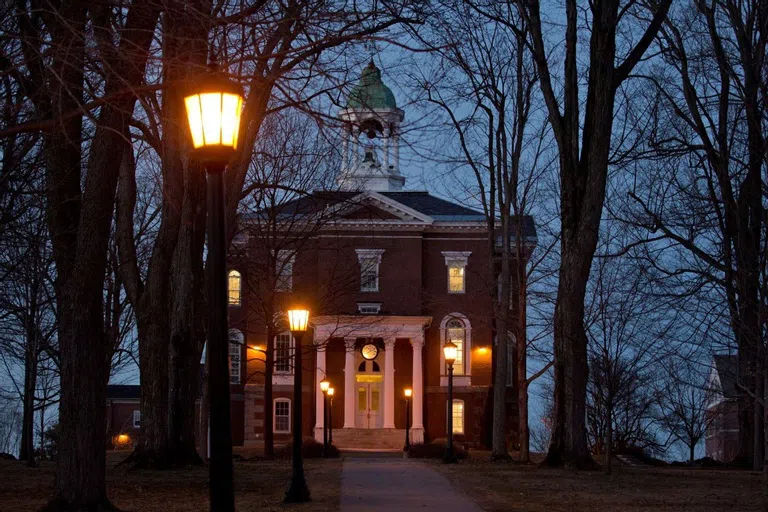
{"points": [[374, 207]]}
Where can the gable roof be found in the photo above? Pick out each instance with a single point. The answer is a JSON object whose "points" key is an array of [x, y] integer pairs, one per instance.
{"points": [[420, 204], [727, 367], [123, 392]]}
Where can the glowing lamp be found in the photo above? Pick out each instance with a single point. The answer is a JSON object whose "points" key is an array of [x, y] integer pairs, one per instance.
{"points": [[331, 391], [298, 319], [408, 393], [123, 439], [482, 350], [324, 385], [214, 105], [450, 351]]}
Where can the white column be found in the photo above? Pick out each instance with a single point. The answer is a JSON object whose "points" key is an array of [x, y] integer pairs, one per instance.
{"points": [[349, 383], [387, 138], [389, 383], [417, 430], [396, 150], [345, 151], [319, 404]]}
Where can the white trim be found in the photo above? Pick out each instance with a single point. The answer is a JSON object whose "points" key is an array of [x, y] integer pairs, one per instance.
{"points": [[284, 376], [454, 259], [462, 379], [274, 415], [369, 254]]}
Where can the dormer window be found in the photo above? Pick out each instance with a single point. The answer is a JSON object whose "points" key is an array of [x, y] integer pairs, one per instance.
{"points": [[369, 259], [456, 262]]}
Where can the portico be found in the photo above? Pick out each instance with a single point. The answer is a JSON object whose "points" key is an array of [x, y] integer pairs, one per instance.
{"points": [[370, 345]]}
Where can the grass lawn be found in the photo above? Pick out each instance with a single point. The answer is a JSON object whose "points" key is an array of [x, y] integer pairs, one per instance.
{"points": [[534, 488], [258, 486]]}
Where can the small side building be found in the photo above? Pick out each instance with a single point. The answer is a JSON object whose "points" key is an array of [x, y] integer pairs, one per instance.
{"points": [[722, 438]]}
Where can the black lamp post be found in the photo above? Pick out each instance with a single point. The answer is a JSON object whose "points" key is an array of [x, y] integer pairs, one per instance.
{"points": [[450, 350], [324, 386], [297, 492], [330, 416], [408, 394], [214, 105]]}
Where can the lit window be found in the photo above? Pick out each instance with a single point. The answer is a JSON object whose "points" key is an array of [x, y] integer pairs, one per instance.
{"points": [[369, 259], [456, 333], [236, 340], [284, 271], [136, 418], [456, 261], [282, 416], [458, 416], [369, 308], [283, 353], [235, 286]]}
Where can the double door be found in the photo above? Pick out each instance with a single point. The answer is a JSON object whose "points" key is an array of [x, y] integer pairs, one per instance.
{"points": [[368, 405]]}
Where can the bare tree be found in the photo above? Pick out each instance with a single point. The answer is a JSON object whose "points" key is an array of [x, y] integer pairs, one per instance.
{"points": [[683, 400]]}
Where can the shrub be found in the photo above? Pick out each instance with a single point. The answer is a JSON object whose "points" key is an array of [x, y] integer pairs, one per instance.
{"points": [[310, 449], [435, 450]]}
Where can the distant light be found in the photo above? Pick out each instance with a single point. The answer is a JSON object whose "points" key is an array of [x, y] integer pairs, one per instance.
{"points": [[325, 385], [483, 350], [123, 439], [408, 393], [331, 391]]}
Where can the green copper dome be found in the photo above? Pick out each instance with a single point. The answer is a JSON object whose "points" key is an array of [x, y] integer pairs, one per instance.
{"points": [[371, 93]]}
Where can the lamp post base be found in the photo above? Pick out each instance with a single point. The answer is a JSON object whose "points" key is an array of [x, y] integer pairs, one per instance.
{"points": [[298, 492]]}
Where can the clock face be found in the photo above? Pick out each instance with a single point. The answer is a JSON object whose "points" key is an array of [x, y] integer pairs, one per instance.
{"points": [[369, 351]]}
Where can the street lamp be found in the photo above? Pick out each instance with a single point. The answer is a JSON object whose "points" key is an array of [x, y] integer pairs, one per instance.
{"points": [[324, 386], [214, 105], [330, 416], [408, 394], [298, 492], [450, 351]]}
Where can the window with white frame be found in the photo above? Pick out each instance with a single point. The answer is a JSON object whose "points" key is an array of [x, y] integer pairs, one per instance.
{"points": [[457, 411], [370, 260], [284, 271], [136, 418], [282, 416], [456, 262], [369, 308], [456, 333], [235, 288], [283, 346], [236, 340]]}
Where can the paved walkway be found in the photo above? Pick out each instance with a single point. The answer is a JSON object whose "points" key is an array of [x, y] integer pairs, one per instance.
{"points": [[379, 484]]}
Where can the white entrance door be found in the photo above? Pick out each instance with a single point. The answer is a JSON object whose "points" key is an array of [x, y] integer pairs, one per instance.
{"points": [[368, 404]]}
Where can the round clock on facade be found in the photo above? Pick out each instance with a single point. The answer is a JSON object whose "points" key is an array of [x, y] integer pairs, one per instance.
{"points": [[369, 351]]}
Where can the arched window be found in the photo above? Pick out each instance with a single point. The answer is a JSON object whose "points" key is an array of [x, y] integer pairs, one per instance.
{"points": [[281, 414], [235, 288], [456, 328], [457, 410], [236, 340], [369, 366]]}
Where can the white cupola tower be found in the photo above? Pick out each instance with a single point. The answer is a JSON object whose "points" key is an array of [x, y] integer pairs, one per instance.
{"points": [[371, 150]]}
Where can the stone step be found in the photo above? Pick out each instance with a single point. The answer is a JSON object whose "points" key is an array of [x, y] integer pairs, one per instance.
{"points": [[369, 438]]}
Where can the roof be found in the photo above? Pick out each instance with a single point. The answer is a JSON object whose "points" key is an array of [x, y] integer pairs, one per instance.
{"points": [[438, 209], [727, 367], [123, 392], [371, 93]]}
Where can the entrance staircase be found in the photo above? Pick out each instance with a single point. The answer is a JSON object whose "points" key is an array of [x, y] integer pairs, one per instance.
{"points": [[369, 439]]}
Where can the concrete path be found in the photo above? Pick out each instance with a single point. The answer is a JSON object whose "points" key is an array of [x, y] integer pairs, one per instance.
{"points": [[384, 484]]}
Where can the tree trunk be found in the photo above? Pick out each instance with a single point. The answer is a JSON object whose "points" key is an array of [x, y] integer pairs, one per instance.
{"points": [[182, 392], [269, 368], [499, 440], [609, 439], [27, 451], [522, 354]]}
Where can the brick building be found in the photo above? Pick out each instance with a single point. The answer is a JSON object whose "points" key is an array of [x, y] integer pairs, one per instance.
{"points": [[389, 276], [722, 437]]}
